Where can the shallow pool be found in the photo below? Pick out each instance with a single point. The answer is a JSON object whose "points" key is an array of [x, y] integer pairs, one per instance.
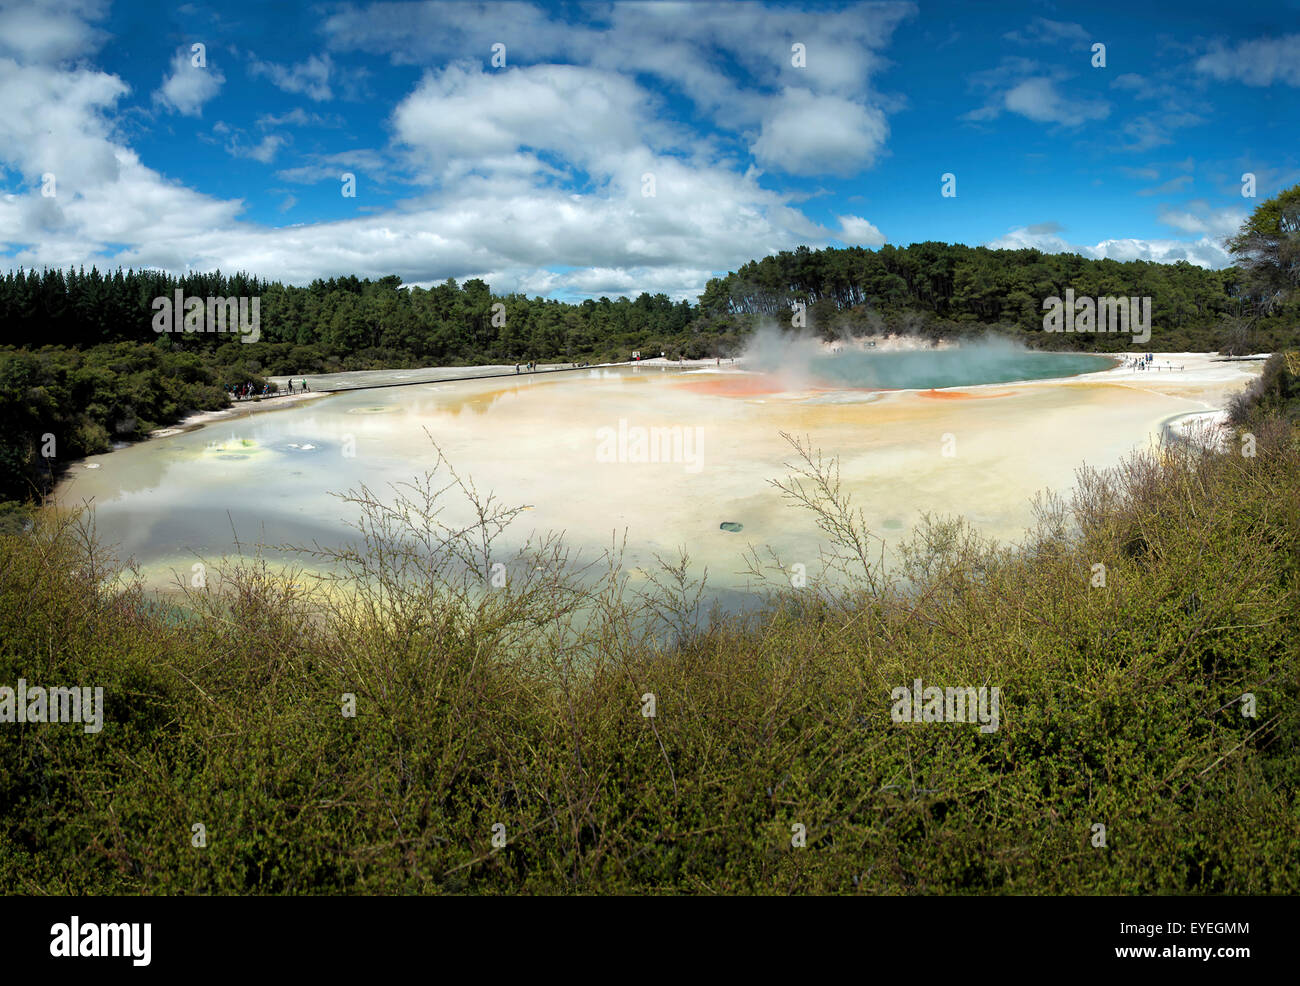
{"points": [[961, 367]]}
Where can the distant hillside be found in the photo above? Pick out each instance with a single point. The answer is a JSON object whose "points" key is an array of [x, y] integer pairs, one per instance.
{"points": [[935, 289], [942, 289]]}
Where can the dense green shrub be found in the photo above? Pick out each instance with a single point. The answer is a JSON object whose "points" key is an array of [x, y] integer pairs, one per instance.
{"points": [[75, 403], [1276, 392], [1121, 705]]}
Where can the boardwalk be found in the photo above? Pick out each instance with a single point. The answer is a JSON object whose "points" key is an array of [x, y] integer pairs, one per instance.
{"points": [[455, 379], [315, 387]]}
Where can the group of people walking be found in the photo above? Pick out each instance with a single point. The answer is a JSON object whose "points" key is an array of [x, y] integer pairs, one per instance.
{"points": [[1147, 361], [531, 366], [248, 391]]}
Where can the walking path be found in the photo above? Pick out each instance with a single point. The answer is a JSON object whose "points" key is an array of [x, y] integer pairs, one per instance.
{"points": [[553, 368], [272, 402]]}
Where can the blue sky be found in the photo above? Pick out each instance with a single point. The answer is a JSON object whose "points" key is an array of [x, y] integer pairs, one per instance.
{"points": [[116, 148]]}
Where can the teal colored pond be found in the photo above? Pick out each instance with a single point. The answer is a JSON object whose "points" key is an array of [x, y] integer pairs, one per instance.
{"points": [[963, 367]]}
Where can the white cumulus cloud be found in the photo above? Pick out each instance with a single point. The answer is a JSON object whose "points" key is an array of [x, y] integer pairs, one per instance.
{"points": [[856, 231], [807, 134], [1259, 62], [188, 86], [310, 78], [1206, 251]]}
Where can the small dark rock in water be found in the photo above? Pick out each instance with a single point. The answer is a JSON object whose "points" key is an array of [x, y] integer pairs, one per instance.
{"points": [[732, 526]]}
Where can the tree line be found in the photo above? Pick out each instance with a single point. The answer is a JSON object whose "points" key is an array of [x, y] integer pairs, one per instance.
{"points": [[937, 289], [942, 289], [352, 322]]}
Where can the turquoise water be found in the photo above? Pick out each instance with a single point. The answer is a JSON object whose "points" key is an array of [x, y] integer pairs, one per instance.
{"points": [[963, 367]]}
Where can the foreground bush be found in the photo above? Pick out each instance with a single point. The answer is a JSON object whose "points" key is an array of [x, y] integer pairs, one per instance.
{"points": [[522, 708], [1275, 393]]}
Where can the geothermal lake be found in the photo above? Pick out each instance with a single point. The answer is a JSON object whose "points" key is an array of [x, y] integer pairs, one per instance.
{"points": [[924, 369], [571, 446]]}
